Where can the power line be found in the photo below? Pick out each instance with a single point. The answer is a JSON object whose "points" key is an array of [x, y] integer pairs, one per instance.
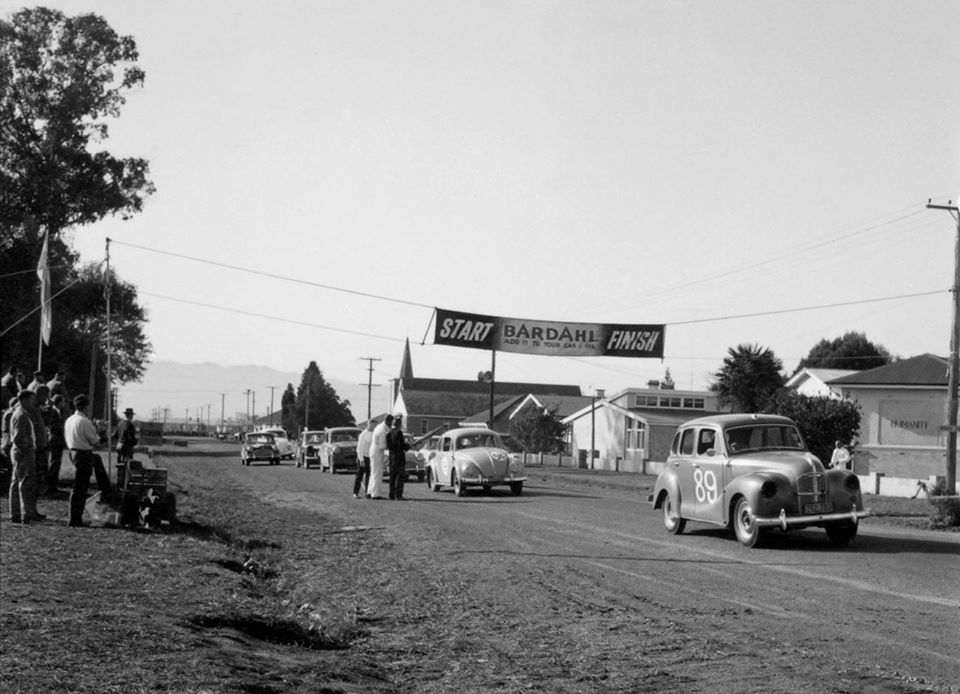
{"points": [[271, 275]]}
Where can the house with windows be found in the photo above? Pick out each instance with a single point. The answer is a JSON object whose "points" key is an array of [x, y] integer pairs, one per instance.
{"points": [[632, 429], [902, 425]]}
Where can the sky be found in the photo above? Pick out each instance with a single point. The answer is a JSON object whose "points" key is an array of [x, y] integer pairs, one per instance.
{"points": [[711, 166]]}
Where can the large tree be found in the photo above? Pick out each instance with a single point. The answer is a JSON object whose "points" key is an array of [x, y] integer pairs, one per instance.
{"points": [[538, 430], [822, 421], [317, 404], [61, 80], [850, 351], [750, 375]]}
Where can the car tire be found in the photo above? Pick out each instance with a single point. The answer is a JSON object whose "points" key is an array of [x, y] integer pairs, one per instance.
{"points": [[671, 515], [744, 524], [431, 485], [841, 533], [458, 487], [275, 461], [420, 476], [487, 488], [516, 488]]}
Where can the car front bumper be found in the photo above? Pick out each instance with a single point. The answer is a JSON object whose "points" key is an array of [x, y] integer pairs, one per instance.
{"points": [[783, 521], [482, 480]]}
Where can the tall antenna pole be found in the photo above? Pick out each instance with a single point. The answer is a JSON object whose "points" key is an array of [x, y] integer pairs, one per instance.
{"points": [[954, 372], [107, 413], [370, 384], [272, 388]]}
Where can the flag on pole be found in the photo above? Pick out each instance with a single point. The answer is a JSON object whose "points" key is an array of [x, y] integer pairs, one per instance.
{"points": [[43, 272]]}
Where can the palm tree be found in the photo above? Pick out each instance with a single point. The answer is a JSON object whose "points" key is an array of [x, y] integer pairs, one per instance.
{"points": [[749, 377]]}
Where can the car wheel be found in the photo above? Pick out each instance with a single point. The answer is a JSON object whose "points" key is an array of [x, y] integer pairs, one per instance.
{"points": [[671, 516], [516, 488], [487, 488], [744, 524], [420, 476], [431, 484], [275, 461], [458, 487], [841, 533]]}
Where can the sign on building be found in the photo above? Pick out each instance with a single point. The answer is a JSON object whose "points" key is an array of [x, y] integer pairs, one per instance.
{"points": [[911, 423], [553, 338]]}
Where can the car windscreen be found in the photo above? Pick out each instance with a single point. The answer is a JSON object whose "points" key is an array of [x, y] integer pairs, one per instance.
{"points": [[763, 437], [313, 438], [479, 441], [343, 436], [259, 438]]}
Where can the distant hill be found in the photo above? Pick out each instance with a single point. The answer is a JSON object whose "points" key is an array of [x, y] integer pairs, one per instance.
{"points": [[183, 388]]}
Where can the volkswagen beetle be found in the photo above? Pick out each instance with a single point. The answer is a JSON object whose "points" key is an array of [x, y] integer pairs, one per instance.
{"points": [[473, 458], [752, 473]]}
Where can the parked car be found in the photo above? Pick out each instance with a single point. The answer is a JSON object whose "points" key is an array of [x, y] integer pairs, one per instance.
{"points": [[259, 445], [415, 464], [339, 449], [308, 448], [753, 473], [288, 449], [473, 457]]}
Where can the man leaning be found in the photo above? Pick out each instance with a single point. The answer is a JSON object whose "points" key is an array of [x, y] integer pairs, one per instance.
{"points": [[82, 437]]}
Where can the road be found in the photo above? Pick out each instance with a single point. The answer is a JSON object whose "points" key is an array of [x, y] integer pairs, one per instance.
{"points": [[695, 612]]}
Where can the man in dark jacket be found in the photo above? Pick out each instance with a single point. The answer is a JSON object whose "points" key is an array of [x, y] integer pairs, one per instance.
{"points": [[397, 445], [55, 418], [126, 437]]}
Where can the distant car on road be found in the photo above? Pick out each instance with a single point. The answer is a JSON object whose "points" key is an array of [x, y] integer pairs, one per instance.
{"points": [[308, 448], [473, 457], [752, 473], [288, 449], [259, 445], [339, 449]]}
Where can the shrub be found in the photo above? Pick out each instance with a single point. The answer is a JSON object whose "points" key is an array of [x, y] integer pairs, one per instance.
{"points": [[946, 511]]}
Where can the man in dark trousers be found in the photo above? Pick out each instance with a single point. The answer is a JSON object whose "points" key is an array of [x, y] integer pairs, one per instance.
{"points": [[55, 418], [397, 446], [23, 484], [82, 437], [126, 437]]}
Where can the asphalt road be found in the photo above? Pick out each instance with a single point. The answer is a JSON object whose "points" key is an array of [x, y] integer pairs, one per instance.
{"points": [[882, 615]]}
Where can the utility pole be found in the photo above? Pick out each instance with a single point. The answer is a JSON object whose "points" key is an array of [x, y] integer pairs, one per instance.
{"points": [[247, 411], [370, 384], [223, 399], [254, 410], [272, 388], [954, 371]]}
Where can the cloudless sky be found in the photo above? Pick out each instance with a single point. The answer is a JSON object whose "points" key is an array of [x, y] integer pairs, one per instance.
{"points": [[618, 161]]}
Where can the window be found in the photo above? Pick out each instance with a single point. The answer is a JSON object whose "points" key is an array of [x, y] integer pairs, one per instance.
{"points": [[706, 441], [423, 426], [686, 442], [636, 438], [446, 444]]}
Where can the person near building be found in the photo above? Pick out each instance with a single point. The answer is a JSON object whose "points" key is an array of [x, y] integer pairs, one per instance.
{"points": [[397, 445], [126, 436], [37, 381], [840, 460], [362, 479], [23, 485], [54, 417], [378, 457], [82, 438], [36, 410]]}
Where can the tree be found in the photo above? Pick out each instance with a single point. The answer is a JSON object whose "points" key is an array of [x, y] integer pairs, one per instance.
{"points": [[317, 404], [851, 351], [538, 430], [61, 78], [289, 419], [750, 375], [822, 421]]}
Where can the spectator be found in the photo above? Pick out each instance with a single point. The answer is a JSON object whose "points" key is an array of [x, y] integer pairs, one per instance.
{"points": [[82, 437], [397, 445], [840, 460], [58, 387], [378, 453], [9, 385], [23, 485], [126, 436], [36, 410], [55, 420], [37, 381], [362, 480]]}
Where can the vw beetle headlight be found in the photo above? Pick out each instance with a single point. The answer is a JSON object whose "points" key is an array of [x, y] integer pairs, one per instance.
{"points": [[471, 470]]}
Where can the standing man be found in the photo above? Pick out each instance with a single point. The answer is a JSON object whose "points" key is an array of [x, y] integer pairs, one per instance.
{"points": [[36, 410], [362, 479], [9, 385], [378, 455], [82, 437], [397, 446], [57, 442], [841, 456], [126, 437], [23, 483], [37, 381], [58, 387]]}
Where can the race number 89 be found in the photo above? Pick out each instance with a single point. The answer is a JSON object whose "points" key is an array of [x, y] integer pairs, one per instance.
{"points": [[706, 485]]}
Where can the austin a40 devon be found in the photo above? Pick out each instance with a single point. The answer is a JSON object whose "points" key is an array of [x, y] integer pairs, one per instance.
{"points": [[752, 473]]}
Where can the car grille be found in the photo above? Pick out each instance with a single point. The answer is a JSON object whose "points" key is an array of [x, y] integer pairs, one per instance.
{"points": [[811, 487]]}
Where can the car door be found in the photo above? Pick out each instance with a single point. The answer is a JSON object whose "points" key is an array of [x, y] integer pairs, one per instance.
{"points": [[444, 460], [709, 468], [682, 460]]}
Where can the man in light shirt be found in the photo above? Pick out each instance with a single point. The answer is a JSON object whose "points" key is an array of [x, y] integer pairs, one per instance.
{"points": [[362, 480], [378, 457], [82, 438]]}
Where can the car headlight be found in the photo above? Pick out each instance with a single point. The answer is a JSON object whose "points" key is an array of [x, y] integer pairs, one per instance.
{"points": [[852, 484], [516, 466], [768, 489], [471, 470]]}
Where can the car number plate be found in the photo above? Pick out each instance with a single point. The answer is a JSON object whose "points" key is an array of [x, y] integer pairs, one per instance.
{"points": [[824, 507]]}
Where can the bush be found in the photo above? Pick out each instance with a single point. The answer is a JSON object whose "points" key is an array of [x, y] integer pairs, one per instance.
{"points": [[822, 421], [946, 509]]}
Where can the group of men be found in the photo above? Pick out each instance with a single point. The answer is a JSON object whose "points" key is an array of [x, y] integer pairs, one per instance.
{"points": [[36, 429], [379, 444]]}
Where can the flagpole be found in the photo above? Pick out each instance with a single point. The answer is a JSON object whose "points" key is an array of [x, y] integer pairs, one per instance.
{"points": [[43, 273], [107, 389]]}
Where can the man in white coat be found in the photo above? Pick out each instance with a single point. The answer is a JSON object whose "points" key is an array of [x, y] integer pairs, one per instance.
{"points": [[378, 457]]}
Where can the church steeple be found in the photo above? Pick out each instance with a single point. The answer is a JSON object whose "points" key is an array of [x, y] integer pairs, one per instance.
{"points": [[406, 366]]}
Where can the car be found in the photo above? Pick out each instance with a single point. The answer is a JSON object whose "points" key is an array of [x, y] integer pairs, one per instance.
{"points": [[415, 461], [752, 473], [338, 451], [473, 457], [259, 445], [308, 448], [288, 449]]}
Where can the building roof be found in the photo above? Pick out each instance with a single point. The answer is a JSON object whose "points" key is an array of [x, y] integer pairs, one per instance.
{"points": [[922, 370], [453, 405], [824, 375]]}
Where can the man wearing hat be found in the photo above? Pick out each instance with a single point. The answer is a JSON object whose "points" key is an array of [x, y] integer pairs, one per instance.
{"points": [[126, 436]]}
